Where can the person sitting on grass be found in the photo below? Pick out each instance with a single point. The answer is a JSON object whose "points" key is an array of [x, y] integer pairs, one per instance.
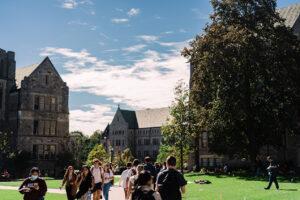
{"points": [[144, 189], [33, 188]]}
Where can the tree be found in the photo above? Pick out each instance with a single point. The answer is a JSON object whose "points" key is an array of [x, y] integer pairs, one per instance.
{"points": [[166, 150], [123, 158], [246, 69], [97, 152], [175, 132]]}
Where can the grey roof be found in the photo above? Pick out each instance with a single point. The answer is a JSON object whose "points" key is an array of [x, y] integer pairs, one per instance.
{"points": [[152, 117], [146, 118], [23, 72], [130, 117], [290, 14]]}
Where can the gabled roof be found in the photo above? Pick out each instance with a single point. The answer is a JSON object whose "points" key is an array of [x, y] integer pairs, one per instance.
{"points": [[291, 14], [130, 117], [23, 72], [145, 118], [152, 117]]}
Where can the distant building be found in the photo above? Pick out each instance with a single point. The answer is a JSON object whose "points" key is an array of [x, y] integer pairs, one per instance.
{"points": [[34, 107], [138, 130]]}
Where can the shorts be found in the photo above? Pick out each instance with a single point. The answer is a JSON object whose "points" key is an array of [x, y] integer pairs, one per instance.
{"points": [[98, 186]]}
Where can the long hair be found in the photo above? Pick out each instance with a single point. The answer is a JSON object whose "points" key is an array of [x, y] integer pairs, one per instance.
{"points": [[68, 171]]}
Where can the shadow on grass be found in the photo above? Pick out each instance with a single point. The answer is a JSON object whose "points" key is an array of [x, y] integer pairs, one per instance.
{"points": [[291, 190], [246, 177]]}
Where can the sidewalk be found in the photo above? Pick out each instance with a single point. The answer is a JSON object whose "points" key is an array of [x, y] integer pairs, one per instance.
{"points": [[116, 193]]}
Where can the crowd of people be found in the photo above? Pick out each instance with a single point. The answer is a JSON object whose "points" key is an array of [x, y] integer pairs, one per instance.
{"points": [[140, 181]]}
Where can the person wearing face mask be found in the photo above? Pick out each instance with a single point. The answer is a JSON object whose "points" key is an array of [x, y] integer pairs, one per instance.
{"points": [[33, 188]]}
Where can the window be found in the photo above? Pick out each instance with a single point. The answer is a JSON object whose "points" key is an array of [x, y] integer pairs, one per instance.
{"points": [[34, 151], [53, 104], [53, 128], [42, 103], [155, 141], [146, 141], [139, 154], [47, 79], [139, 142], [35, 127], [36, 102], [41, 128], [47, 128], [146, 153], [44, 152], [118, 142], [123, 142]]}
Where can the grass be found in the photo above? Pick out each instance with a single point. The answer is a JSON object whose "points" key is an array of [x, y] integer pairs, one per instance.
{"points": [[13, 195], [238, 188], [221, 188]]}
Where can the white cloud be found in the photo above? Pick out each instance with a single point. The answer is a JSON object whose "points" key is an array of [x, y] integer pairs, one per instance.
{"points": [[133, 12], [72, 4], [199, 14], [90, 118], [148, 38], [148, 83], [134, 48], [119, 20]]}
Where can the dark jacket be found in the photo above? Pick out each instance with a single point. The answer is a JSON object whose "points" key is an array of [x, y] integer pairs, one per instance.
{"points": [[38, 189], [85, 185]]}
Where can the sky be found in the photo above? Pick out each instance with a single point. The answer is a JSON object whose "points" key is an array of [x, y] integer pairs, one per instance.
{"points": [[109, 52]]}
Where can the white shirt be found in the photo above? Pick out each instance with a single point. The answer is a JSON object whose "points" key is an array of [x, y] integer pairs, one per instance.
{"points": [[96, 172], [123, 178], [107, 176]]}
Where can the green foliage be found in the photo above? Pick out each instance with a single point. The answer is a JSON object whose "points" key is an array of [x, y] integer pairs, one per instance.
{"points": [[246, 69], [97, 152], [123, 158], [165, 151]]}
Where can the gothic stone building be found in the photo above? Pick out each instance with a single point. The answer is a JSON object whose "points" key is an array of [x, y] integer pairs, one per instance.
{"points": [[292, 150], [34, 107], [138, 130]]}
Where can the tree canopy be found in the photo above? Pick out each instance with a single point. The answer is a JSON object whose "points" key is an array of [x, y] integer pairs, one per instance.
{"points": [[246, 69]]}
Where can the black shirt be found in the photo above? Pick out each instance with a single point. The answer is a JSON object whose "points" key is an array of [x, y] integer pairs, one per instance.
{"points": [[38, 189], [169, 183]]}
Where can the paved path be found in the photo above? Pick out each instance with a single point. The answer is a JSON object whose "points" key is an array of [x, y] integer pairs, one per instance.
{"points": [[116, 193]]}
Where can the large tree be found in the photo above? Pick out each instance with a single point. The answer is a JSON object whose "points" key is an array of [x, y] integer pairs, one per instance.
{"points": [[246, 69]]}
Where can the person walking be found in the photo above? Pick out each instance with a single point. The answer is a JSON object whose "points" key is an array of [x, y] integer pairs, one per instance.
{"points": [[123, 182], [272, 172], [144, 189], [132, 180], [171, 183], [33, 188], [85, 183], [97, 173], [149, 167], [108, 177], [70, 180]]}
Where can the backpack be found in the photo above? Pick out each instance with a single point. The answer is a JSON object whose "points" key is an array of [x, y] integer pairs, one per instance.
{"points": [[139, 194]]}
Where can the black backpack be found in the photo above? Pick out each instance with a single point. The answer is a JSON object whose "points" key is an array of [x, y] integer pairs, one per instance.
{"points": [[139, 194]]}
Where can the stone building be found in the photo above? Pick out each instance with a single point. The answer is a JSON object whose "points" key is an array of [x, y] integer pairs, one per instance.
{"points": [[35, 109], [291, 14], [138, 130]]}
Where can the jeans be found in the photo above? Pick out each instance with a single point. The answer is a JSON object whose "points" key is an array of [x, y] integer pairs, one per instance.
{"points": [[272, 179], [106, 188]]}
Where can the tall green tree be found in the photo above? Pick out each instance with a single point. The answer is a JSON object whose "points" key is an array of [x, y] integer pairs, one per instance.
{"points": [[246, 69], [97, 152]]}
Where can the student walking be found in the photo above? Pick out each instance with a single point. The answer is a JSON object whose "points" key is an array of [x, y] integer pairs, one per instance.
{"points": [[170, 183], [97, 173], [132, 180], [85, 183], [144, 189], [108, 177], [123, 182], [70, 180], [33, 188], [272, 172]]}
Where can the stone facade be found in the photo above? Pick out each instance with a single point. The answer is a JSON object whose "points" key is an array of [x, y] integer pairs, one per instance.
{"points": [[37, 112], [138, 130]]}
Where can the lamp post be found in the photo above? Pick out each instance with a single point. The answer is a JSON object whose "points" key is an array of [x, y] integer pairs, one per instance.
{"points": [[111, 154]]}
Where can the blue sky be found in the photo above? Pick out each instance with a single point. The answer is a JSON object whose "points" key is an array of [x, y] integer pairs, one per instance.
{"points": [[109, 52]]}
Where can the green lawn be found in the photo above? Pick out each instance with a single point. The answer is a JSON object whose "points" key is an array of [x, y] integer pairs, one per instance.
{"points": [[237, 188], [14, 195], [221, 188]]}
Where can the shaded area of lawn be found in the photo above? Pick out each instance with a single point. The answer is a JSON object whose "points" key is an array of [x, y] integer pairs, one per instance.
{"points": [[14, 195], [238, 188]]}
